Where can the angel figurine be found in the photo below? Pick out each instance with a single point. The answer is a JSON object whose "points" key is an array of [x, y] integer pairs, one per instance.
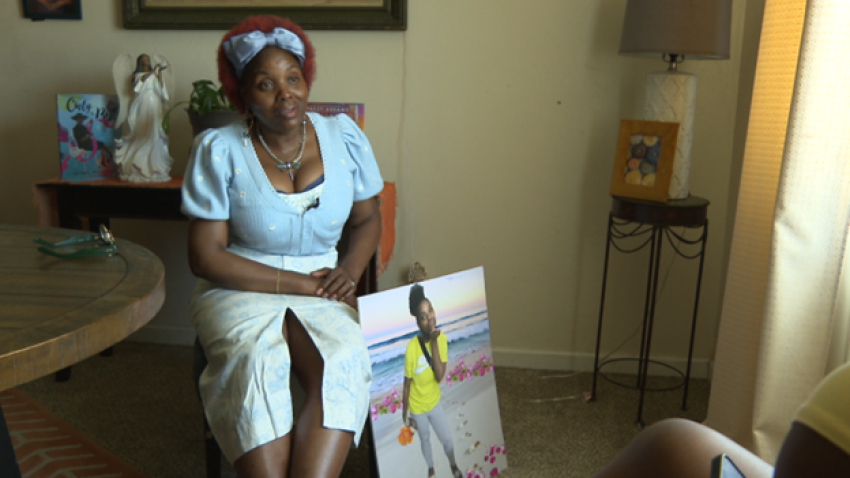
{"points": [[142, 153]]}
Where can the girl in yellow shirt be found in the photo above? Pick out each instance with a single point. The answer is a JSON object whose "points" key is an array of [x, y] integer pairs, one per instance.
{"points": [[424, 366]]}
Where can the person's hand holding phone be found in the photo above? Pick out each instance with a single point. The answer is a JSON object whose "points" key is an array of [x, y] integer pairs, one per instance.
{"points": [[723, 467]]}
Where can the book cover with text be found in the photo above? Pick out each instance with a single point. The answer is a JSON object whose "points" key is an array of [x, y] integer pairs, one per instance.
{"points": [[86, 128]]}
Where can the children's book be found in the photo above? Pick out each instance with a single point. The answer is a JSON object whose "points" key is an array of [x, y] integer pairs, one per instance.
{"points": [[86, 124], [356, 111]]}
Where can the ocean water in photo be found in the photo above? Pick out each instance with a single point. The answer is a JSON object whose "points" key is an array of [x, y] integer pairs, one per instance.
{"points": [[464, 336]]}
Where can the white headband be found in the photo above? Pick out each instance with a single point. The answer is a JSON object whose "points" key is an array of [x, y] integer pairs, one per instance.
{"points": [[241, 49]]}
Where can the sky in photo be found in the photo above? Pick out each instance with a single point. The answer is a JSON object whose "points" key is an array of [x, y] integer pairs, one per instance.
{"points": [[386, 314]]}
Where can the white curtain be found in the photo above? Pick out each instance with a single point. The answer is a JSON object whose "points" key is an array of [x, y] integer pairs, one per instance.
{"points": [[839, 349], [791, 224]]}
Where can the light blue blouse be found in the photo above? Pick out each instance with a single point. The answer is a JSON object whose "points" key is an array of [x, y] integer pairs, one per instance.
{"points": [[224, 181]]}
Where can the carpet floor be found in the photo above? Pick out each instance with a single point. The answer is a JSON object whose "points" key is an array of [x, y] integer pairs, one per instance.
{"points": [[140, 405]]}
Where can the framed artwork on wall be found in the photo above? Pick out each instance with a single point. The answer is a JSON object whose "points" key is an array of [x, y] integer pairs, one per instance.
{"points": [[52, 10], [223, 14], [643, 163]]}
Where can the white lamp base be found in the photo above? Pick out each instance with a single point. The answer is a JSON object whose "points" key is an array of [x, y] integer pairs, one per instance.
{"points": [[671, 97]]}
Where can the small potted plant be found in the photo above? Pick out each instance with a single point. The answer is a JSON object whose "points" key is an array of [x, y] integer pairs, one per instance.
{"points": [[208, 108]]}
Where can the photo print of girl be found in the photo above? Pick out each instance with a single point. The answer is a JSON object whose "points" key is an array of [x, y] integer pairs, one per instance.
{"points": [[433, 380], [424, 368]]}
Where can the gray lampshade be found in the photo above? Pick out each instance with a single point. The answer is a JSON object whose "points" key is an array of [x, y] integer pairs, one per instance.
{"points": [[698, 29]]}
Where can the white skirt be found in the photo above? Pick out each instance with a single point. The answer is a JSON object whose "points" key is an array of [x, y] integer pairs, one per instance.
{"points": [[246, 385]]}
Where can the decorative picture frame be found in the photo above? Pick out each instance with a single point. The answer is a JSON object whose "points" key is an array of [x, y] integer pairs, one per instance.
{"points": [[53, 9], [331, 15], [643, 163]]}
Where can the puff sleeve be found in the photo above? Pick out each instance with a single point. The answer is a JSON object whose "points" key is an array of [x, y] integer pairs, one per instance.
{"points": [[207, 177], [364, 170]]}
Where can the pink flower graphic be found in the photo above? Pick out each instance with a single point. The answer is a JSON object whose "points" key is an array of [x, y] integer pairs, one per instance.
{"points": [[494, 472], [392, 407]]}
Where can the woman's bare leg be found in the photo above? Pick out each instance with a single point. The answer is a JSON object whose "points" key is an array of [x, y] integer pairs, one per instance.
{"points": [[267, 461], [316, 451], [679, 448], [270, 460]]}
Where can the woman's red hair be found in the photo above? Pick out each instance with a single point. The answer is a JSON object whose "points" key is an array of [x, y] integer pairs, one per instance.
{"points": [[264, 23]]}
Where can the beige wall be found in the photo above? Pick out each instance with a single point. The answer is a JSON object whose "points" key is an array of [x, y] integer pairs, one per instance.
{"points": [[497, 120]]}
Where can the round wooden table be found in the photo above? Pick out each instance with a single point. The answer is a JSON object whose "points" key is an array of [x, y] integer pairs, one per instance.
{"points": [[55, 312]]}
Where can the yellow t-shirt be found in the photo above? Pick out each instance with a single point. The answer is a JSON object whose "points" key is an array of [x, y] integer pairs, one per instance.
{"points": [[424, 389], [826, 411]]}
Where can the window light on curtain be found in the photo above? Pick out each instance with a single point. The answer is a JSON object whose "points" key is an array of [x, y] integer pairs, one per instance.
{"points": [[790, 226]]}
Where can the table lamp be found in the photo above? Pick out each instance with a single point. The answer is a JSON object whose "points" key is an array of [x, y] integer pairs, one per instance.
{"points": [[676, 30]]}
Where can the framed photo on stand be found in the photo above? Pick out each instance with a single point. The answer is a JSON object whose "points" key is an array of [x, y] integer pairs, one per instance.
{"points": [[643, 162], [53, 10]]}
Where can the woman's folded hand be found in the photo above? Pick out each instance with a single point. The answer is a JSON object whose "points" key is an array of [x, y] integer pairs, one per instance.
{"points": [[335, 284]]}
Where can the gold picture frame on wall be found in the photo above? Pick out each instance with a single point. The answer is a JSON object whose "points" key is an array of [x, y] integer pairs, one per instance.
{"points": [[224, 14], [643, 162]]}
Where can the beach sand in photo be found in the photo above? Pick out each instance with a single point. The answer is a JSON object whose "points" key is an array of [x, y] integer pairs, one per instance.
{"points": [[472, 412]]}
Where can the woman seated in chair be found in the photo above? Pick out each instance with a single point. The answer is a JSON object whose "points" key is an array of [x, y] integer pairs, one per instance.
{"points": [[268, 199]]}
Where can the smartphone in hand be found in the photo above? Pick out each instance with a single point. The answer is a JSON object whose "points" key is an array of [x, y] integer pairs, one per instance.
{"points": [[723, 467]]}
